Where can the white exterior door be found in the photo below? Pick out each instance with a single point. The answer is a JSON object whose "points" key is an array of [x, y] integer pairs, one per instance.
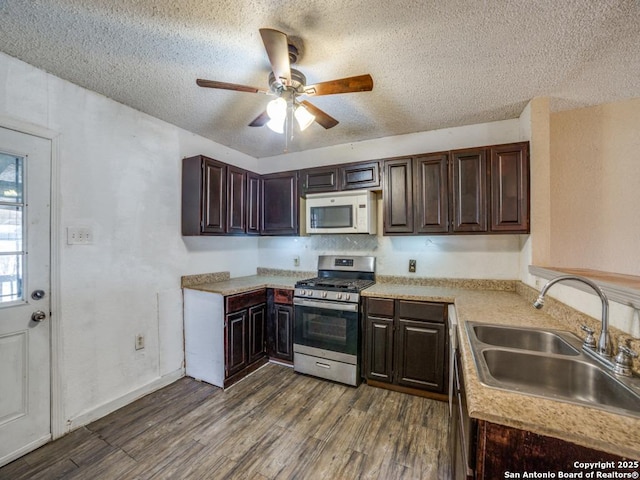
{"points": [[25, 328]]}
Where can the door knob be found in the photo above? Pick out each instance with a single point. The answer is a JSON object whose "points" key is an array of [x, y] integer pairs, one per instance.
{"points": [[38, 316]]}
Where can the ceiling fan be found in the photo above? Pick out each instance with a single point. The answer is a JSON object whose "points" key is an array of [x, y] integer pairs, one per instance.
{"points": [[287, 84]]}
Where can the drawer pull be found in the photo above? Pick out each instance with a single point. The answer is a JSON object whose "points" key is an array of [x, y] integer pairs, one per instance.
{"points": [[323, 365]]}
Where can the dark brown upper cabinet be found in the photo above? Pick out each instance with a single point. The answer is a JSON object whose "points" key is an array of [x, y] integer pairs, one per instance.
{"points": [[204, 196], [469, 190], [510, 188], [333, 178], [361, 175], [280, 203], [254, 198], [236, 200], [432, 193], [479, 190], [320, 179], [398, 196], [222, 199]]}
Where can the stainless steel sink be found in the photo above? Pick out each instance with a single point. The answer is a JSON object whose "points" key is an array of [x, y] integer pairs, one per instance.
{"points": [[562, 377], [527, 339], [550, 364]]}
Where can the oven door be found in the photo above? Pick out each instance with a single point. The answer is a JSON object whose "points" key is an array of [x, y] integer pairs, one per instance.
{"points": [[329, 327]]}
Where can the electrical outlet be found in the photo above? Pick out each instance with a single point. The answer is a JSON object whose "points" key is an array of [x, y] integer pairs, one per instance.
{"points": [[296, 261], [412, 266], [139, 341]]}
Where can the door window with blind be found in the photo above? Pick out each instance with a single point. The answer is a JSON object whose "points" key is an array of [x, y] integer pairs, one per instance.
{"points": [[12, 207]]}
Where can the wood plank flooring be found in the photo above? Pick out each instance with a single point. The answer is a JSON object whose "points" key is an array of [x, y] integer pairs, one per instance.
{"points": [[275, 424]]}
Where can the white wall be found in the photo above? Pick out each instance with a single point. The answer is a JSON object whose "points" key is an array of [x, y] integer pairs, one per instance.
{"points": [[492, 133], [595, 176], [119, 174]]}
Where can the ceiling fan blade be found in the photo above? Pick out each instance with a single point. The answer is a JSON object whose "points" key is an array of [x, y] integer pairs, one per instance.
{"points": [[324, 119], [360, 83], [230, 86], [277, 46], [260, 120]]}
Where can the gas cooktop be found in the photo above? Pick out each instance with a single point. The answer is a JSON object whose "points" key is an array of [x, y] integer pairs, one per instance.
{"points": [[335, 284]]}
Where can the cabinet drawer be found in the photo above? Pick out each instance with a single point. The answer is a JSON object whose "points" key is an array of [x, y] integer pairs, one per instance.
{"points": [[237, 302], [284, 296], [432, 312], [380, 307]]}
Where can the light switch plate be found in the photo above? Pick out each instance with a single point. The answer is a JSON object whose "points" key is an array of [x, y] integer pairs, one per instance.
{"points": [[79, 235]]}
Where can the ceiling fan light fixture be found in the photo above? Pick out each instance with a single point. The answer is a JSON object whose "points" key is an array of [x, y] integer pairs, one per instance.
{"points": [[304, 117], [276, 124], [277, 109]]}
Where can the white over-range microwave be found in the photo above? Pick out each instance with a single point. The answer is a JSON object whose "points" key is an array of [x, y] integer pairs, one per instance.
{"points": [[341, 212]]}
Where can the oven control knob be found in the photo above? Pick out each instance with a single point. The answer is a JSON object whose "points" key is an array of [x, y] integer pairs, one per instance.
{"points": [[347, 296], [310, 293], [339, 296], [324, 294]]}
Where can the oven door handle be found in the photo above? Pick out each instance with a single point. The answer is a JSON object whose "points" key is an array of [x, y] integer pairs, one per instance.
{"points": [[345, 307]]}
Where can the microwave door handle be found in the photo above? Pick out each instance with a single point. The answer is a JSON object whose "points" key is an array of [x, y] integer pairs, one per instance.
{"points": [[355, 223]]}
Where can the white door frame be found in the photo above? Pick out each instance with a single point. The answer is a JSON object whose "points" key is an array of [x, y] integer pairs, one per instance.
{"points": [[58, 423]]}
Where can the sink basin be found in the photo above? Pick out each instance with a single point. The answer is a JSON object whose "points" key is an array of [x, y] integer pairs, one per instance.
{"points": [[549, 363], [556, 376], [525, 339]]}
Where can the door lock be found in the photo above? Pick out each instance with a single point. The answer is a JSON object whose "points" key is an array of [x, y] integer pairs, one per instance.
{"points": [[37, 294], [38, 316]]}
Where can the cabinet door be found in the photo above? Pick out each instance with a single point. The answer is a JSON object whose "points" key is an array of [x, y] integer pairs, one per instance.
{"points": [[379, 349], [253, 203], [236, 200], [281, 332], [214, 196], [509, 171], [420, 351], [236, 346], [321, 179], [469, 190], [257, 332], [432, 193], [279, 204], [398, 196], [360, 175]]}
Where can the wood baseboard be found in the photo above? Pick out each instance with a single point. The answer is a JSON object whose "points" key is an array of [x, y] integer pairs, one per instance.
{"points": [[441, 397]]}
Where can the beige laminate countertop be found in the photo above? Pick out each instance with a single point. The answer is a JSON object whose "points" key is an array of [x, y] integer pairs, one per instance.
{"points": [[593, 428], [246, 284]]}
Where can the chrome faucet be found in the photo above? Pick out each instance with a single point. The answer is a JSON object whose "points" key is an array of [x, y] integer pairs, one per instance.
{"points": [[604, 342]]}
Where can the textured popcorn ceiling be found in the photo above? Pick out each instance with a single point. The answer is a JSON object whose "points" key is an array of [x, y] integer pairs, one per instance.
{"points": [[435, 64]]}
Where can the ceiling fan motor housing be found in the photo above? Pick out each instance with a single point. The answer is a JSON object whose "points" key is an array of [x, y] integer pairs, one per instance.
{"points": [[298, 81]]}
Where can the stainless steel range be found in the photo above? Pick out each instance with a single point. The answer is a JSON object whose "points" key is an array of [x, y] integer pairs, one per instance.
{"points": [[327, 318]]}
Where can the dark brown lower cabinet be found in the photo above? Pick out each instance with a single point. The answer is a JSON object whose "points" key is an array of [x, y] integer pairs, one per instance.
{"points": [[237, 353], [245, 333], [420, 354], [280, 324], [257, 332], [502, 449], [405, 344]]}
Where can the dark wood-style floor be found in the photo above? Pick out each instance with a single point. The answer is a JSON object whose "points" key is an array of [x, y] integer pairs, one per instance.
{"points": [[275, 424]]}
